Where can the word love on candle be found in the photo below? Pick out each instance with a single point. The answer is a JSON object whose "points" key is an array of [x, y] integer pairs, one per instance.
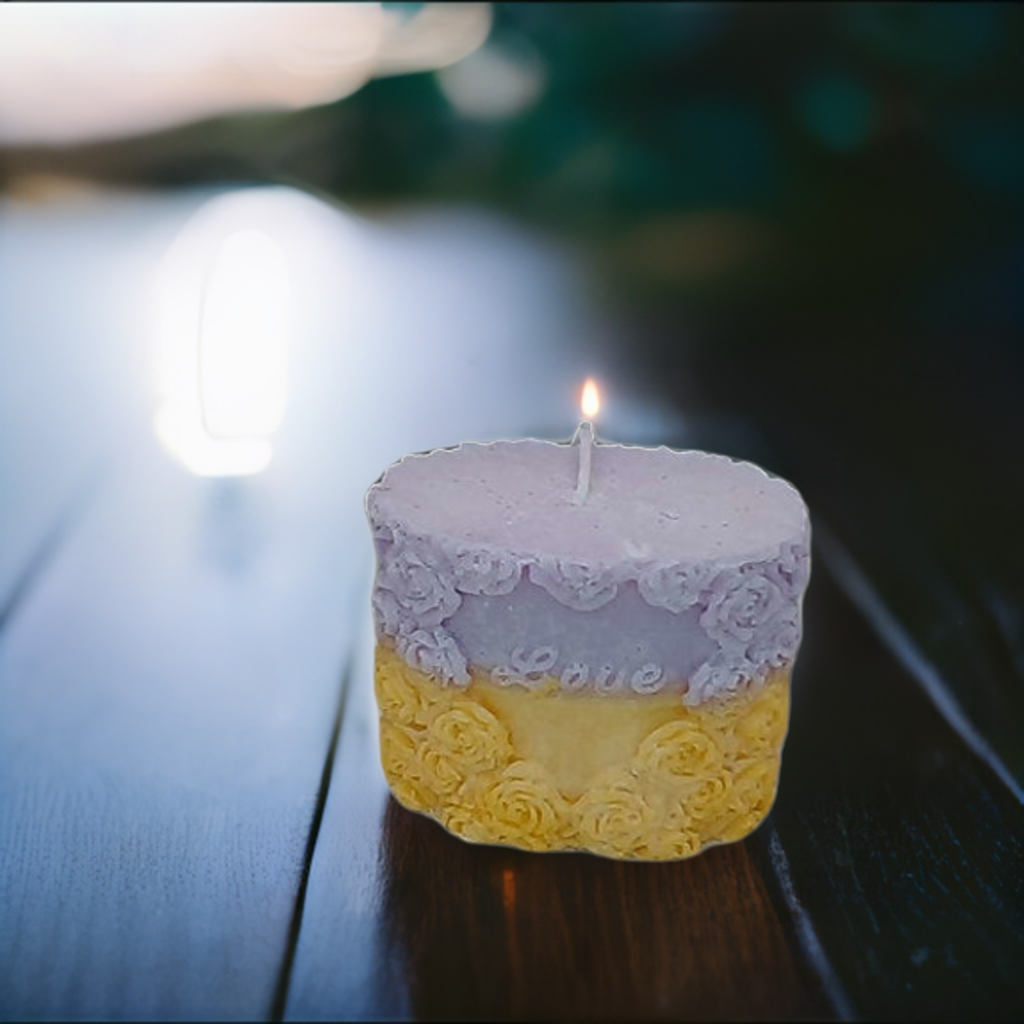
{"points": [[586, 646]]}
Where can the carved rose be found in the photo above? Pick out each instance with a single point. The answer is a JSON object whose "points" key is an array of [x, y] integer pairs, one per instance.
{"points": [[480, 571], [718, 677], [471, 737], [518, 805], [675, 587], [763, 728], [709, 799], [397, 746], [417, 773], [740, 604], [575, 584], [680, 748], [753, 614], [441, 773], [754, 787], [412, 591], [793, 569], [672, 843], [400, 696], [388, 613], [435, 652], [614, 817], [777, 640], [402, 768], [749, 801], [465, 821]]}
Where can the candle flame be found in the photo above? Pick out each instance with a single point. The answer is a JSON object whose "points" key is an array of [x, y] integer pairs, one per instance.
{"points": [[590, 400]]}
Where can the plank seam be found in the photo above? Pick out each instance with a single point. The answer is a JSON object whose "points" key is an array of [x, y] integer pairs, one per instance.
{"points": [[855, 583], [809, 940], [280, 1000], [53, 541]]}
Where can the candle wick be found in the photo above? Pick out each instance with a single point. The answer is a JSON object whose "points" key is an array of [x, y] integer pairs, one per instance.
{"points": [[585, 438]]}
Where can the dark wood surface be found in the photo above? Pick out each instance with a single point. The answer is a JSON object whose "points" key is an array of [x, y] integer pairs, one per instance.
{"points": [[157, 791], [193, 822], [402, 919]]}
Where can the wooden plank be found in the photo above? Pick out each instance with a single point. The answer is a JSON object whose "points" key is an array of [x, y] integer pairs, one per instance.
{"points": [[33, 563], [943, 601], [167, 695], [73, 283], [894, 848], [892, 841], [168, 687], [908, 443], [403, 920], [897, 836], [341, 966]]}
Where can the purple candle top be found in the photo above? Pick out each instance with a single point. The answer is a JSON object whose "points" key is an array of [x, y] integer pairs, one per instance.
{"points": [[680, 561], [644, 503]]}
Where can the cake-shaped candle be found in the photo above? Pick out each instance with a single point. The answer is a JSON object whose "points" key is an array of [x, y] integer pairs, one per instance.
{"points": [[575, 657]]}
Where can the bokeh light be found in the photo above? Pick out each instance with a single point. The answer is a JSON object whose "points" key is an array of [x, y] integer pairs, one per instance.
{"points": [[222, 318], [72, 72]]}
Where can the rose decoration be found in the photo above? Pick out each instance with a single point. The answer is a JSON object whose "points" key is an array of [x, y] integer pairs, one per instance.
{"points": [[402, 768], [519, 805], [754, 786], [471, 737], [421, 596], [388, 614], [397, 746], [679, 748], [671, 844], [719, 677], [403, 698], [720, 716], [763, 728], [741, 603], [465, 821], [751, 798], [481, 571], [441, 773], [435, 652], [675, 587], [614, 817], [793, 569], [777, 640], [736, 827], [575, 584], [709, 799]]}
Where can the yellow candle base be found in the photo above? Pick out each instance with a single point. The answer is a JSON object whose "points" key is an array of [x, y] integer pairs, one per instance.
{"points": [[631, 777]]}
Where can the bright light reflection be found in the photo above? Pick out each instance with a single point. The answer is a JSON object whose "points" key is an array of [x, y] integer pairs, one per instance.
{"points": [[590, 400], [243, 340], [223, 316]]}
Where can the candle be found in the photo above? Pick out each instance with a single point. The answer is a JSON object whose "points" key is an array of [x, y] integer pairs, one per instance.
{"points": [[585, 438], [577, 657]]}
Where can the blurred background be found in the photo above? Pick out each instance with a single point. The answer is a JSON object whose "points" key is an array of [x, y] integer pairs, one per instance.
{"points": [[250, 254], [790, 232]]}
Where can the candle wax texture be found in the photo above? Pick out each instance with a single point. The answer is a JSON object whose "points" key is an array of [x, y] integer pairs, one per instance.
{"points": [[609, 676]]}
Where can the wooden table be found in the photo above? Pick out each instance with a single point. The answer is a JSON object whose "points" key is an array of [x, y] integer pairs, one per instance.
{"points": [[193, 822]]}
